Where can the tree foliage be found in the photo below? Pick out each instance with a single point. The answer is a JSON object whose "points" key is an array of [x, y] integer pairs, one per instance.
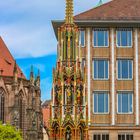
{"points": [[8, 132]]}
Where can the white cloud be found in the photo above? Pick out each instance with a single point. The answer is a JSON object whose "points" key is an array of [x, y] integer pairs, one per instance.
{"points": [[26, 26]]}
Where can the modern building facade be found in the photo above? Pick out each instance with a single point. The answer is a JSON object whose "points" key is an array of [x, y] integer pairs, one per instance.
{"points": [[20, 102], [109, 55]]}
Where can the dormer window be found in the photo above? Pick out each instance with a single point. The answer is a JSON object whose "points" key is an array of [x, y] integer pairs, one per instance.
{"points": [[124, 37]]}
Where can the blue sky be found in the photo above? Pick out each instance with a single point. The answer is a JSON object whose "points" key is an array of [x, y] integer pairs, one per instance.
{"points": [[25, 26]]}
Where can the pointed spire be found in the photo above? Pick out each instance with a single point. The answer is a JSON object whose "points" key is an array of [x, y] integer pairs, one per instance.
{"points": [[69, 12], [32, 75], [38, 79], [100, 3]]}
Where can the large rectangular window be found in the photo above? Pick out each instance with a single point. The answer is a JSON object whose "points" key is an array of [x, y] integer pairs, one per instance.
{"points": [[82, 38], [100, 69], [125, 137], [101, 37], [101, 137], [125, 69], [125, 102], [124, 37], [101, 102]]}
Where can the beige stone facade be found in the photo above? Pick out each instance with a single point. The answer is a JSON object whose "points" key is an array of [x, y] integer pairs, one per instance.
{"points": [[113, 124]]}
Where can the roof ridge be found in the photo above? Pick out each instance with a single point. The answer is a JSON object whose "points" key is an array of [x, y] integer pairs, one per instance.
{"points": [[8, 61], [6, 49], [96, 7]]}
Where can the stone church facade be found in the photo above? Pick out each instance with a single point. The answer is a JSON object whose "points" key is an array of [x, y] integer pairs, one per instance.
{"points": [[20, 99]]}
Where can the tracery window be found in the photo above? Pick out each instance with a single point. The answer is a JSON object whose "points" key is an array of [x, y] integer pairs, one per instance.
{"points": [[2, 105], [20, 105]]}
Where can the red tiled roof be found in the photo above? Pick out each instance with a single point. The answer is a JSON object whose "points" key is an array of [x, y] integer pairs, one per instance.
{"points": [[113, 10], [7, 61]]}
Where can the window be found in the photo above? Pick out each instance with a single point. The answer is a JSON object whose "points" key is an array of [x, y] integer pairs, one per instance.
{"points": [[101, 38], [125, 102], [82, 38], [125, 137], [101, 102], [1, 105], [20, 105], [124, 37], [101, 137], [101, 69], [125, 69]]}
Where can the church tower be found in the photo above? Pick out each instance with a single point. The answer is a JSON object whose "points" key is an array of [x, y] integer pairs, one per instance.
{"points": [[69, 112]]}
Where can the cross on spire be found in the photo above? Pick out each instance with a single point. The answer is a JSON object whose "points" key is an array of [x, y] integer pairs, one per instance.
{"points": [[69, 12]]}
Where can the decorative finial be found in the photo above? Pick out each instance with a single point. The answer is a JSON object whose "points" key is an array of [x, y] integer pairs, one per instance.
{"points": [[38, 79], [100, 3], [32, 75], [69, 12]]}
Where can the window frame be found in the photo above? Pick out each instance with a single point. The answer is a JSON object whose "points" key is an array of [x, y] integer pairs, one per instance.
{"points": [[125, 134], [117, 76], [84, 38], [98, 29], [101, 135], [100, 79], [108, 95], [127, 29], [125, 92]]}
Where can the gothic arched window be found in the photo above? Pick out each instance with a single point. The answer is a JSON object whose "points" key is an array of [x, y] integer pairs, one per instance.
{"points": [[1, 105], [20, 105]]}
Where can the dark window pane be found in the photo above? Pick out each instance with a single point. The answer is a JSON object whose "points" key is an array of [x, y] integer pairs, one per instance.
{"points": [[101, 103], [130, 103], [106, 69], [107, 137], [131, 137], [130, 69], [99, 137], [119, 137], [125, 103], [82, 38], [106, 38], [124, 38], [123, 137], [95, 69], [106, 102], [101, 69], [119, 103], [119, 38], [100, 38], [119, 69], [125, 69], [95, 137], [129, 38], [95, 103], [95, 38]]}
